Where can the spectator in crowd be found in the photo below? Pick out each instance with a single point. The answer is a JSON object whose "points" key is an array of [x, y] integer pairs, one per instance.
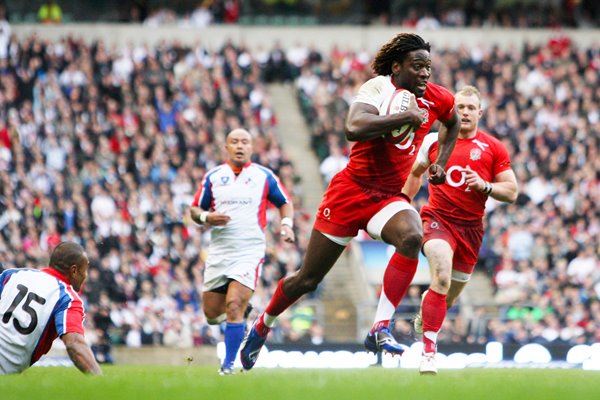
{"points": [[333, 163]]}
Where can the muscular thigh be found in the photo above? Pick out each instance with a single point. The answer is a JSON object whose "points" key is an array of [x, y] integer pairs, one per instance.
{"points": [[469, 240], [436, 228], [464, 240]]}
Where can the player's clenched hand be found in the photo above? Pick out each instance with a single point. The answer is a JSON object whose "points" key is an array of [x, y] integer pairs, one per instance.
{"points": [[287, 234], [437, 175], [473, 180], [418, 115], [217, 218]]}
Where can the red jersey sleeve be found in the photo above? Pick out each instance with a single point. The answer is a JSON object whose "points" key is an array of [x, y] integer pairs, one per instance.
{"points": [[501, 158]]}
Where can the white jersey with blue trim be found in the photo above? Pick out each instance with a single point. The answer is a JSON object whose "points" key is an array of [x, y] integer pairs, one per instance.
{"points": [[244, 199], [36, 306]]}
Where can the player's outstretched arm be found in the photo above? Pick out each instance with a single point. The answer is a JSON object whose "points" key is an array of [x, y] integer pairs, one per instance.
{"points": [[447, 136], [80, 353], [505, 187], [413, 182], [287, 222]]}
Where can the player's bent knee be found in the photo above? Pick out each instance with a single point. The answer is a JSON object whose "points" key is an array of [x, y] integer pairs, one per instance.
{"points": [[414, 239], [442, 281], [233, 306], [408, 243]]}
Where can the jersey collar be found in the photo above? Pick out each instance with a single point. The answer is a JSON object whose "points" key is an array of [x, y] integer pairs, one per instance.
{"points": [[238, 170], [56, 274]]}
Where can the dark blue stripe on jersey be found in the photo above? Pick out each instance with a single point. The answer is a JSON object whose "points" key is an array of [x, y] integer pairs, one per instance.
{"points": [[205, 202], [275, 193], [5, 276]]}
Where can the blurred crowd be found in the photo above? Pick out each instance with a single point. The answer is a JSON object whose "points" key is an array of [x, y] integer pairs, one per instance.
{"points": [[107, 145], [542, 253], [411, 14]]}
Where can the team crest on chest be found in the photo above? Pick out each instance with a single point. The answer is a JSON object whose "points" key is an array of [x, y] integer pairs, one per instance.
{"points": [[224, 180], [475, 154]]}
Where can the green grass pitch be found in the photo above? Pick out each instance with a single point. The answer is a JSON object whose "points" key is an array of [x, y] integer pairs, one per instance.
{"points": [[201, 382]]}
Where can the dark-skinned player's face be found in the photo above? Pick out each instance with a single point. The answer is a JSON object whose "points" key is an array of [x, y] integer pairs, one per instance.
{"points": [[414, 72]]}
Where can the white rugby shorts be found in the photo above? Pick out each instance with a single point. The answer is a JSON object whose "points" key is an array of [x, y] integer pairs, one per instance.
{"points": [[245, 269]]}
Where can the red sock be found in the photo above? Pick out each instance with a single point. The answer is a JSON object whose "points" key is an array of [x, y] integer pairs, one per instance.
{"points": [[396, 280], [433, 311], [278, 304]]}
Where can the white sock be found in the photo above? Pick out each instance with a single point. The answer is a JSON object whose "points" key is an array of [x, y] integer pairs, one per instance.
{"points": [[385, 309], [269, 320]]}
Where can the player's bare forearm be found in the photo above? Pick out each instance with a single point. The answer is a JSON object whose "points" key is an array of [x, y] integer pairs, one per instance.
{"points": [[365, 123], [81, 354], [195, 214], [413, 182], [505, 191], [287, 210], [287, 222], [203, 217], [447, 136], [504, 188]]}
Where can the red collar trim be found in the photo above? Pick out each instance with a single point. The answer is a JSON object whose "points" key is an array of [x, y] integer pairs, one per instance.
{"points": [[56, 274], [237, 170]]}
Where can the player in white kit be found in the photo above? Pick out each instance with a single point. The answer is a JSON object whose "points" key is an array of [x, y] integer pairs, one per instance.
{"points": [[233, 199], [37, 306]]}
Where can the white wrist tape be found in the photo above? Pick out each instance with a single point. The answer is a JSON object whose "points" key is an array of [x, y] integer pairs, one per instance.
{"points": [[287, 221], [203, 216]]}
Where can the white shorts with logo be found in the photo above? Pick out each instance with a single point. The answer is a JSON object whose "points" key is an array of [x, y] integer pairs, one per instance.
{"points": [[243, 268]]}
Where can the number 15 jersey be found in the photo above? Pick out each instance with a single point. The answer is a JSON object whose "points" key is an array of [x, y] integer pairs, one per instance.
{"points": [[36, 307]]}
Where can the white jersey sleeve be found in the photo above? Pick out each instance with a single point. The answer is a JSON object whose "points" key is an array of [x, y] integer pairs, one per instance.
{"points": [[423, 154], [376, 92]]}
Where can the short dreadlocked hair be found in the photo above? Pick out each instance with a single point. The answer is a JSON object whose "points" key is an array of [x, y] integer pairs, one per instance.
{"points": [[397, 50]]}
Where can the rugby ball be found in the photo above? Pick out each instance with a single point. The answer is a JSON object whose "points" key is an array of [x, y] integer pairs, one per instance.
{"points": [[399, 103]]}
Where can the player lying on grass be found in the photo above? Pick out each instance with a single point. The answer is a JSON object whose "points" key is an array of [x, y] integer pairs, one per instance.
{"points": [[37, 306]]}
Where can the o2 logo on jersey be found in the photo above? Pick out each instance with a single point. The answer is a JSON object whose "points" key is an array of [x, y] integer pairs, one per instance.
{"points": [[407, 142], [326, 213], [451, 174]]}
